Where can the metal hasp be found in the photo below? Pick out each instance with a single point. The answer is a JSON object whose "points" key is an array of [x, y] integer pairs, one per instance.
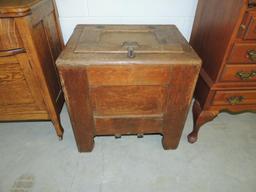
{"points": [[130, 46]]}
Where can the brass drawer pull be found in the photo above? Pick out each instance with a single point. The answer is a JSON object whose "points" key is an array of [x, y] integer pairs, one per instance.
{"points": [[252, 55], [235, 100], [246, 75]]}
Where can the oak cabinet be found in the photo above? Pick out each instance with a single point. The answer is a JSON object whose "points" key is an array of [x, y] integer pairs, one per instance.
{"points": [[30, 42]]}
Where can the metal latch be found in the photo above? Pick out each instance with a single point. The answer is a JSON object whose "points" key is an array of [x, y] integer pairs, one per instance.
{"points": [[131, 46]]}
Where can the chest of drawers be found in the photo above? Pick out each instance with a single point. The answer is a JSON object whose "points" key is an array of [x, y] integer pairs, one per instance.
{"points": [[120, 80], [30, 42], [224, 36]]}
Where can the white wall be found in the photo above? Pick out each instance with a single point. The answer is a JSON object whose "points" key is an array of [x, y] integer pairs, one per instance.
{"points": [[178, 12]]}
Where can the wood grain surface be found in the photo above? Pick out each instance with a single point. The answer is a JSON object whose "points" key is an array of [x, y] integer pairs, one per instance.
{"points": [[224, 36], [30, 43], [108, 93]]}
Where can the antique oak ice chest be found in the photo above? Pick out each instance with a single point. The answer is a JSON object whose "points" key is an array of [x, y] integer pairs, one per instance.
{"points": [[120, 80]]}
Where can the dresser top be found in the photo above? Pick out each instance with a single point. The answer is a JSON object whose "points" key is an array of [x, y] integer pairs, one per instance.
{"points": [[127, 44], [15, 8]]}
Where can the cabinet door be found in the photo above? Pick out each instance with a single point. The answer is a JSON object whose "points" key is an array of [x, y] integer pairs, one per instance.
{"points": [[48, 44], [20, 94]]}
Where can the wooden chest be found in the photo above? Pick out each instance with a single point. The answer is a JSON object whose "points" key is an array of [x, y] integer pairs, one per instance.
{"points": [[225, 39], [120, 80], [30, 42]]}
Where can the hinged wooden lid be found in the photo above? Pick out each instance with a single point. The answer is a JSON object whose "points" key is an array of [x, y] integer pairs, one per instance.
{"points": [[128, 39], [127, 44]]}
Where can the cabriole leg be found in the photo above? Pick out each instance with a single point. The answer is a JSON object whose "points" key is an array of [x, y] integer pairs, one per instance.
{"points": [[200, 117]]}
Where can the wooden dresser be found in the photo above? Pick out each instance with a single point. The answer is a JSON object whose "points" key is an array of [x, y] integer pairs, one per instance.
{"points": [[121, 80], [30, 42], [224, 36]]}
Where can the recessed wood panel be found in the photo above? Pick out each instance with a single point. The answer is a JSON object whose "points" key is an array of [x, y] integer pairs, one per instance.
{"points": [[128, 75], [13, 86], [9, 36], [46, 56], [134, 100], [125, 126], [52, 35]]}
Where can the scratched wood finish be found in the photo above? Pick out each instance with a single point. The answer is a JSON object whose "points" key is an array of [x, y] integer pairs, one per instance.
{"points": [[30, 42], [131, 100], [108, 93], [227, 79], [76, 89]]}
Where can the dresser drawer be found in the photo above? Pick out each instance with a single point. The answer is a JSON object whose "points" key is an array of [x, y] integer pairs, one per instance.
{"points": [[248, 27], [243, 53], [239, 73], [235, 97]]}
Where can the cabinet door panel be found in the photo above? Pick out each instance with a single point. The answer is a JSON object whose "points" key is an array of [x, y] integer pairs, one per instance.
{"points": [[9, 36], [13, 86], [51, 31], [129, 100], [19, 91], [46, 57]]}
